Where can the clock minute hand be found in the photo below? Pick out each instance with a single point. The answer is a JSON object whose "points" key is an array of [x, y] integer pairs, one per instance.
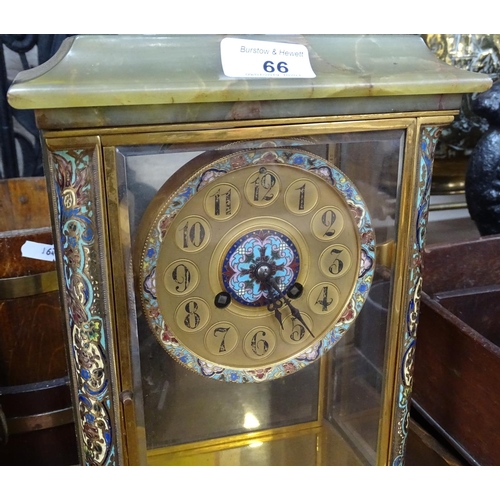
{"points": [[274, 305], [295, 312]]}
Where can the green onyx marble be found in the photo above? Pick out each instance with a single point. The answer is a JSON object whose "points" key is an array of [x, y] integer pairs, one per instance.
{"points": [[116, 71]]}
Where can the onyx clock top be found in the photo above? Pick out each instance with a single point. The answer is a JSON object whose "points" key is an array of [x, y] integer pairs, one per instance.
{"points": [[138, 70]]}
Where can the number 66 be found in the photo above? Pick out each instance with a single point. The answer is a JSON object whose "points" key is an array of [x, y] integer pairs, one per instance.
{"points": [[269, 67]]}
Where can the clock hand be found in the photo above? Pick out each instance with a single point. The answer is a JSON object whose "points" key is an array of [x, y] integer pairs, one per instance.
{"points": [[295, 312], [263, 274], [274, 305]]}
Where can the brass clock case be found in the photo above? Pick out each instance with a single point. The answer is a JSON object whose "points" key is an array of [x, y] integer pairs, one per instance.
{"points": [[253, 264]]}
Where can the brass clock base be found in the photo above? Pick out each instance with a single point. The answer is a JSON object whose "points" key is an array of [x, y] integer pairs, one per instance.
{"points": [[320, 445]]}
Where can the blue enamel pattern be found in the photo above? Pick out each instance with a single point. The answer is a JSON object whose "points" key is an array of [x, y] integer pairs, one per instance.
{"points": [[428, 140], [76, 212], [242, 261]]}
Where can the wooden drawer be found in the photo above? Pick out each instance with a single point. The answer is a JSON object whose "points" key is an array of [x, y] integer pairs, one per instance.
{"points": [[457, 364]]}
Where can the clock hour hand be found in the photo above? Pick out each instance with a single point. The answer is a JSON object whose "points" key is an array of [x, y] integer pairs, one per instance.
{"points": [[295, 312]]}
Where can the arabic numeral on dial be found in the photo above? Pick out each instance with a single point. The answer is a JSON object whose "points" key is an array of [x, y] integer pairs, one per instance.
{"points": [[259, 344], [298, 331], [221, 339], [335, 261], [327, 223], [182, 277], [226, 202], [300, 197], [192, 319], [302, 194], [223, 332], [216, 197], [222, 202], [192, 314], [323, 299], [297, 328], [328, 219], [193, 234], [337, 265], [263, 185]]}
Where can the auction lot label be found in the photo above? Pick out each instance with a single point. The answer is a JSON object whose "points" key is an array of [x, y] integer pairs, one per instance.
{"points": [[243, 58], [40, 251]]}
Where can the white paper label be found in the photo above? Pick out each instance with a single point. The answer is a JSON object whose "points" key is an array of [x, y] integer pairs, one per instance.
{"points": [[40, 251], [243, 58]]}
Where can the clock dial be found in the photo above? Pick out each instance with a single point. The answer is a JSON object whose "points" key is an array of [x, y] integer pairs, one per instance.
{"points": [[259, 256]]}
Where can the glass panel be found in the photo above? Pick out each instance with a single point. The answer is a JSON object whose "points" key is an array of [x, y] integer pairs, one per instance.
{"points": [[182, 407], [339, 398], [355, 378]]}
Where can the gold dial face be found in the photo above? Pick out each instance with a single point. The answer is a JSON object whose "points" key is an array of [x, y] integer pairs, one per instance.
{"points": [[259, 268]]}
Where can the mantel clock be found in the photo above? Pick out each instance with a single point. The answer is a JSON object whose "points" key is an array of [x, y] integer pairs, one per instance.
{"points": [[239, 237]]}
